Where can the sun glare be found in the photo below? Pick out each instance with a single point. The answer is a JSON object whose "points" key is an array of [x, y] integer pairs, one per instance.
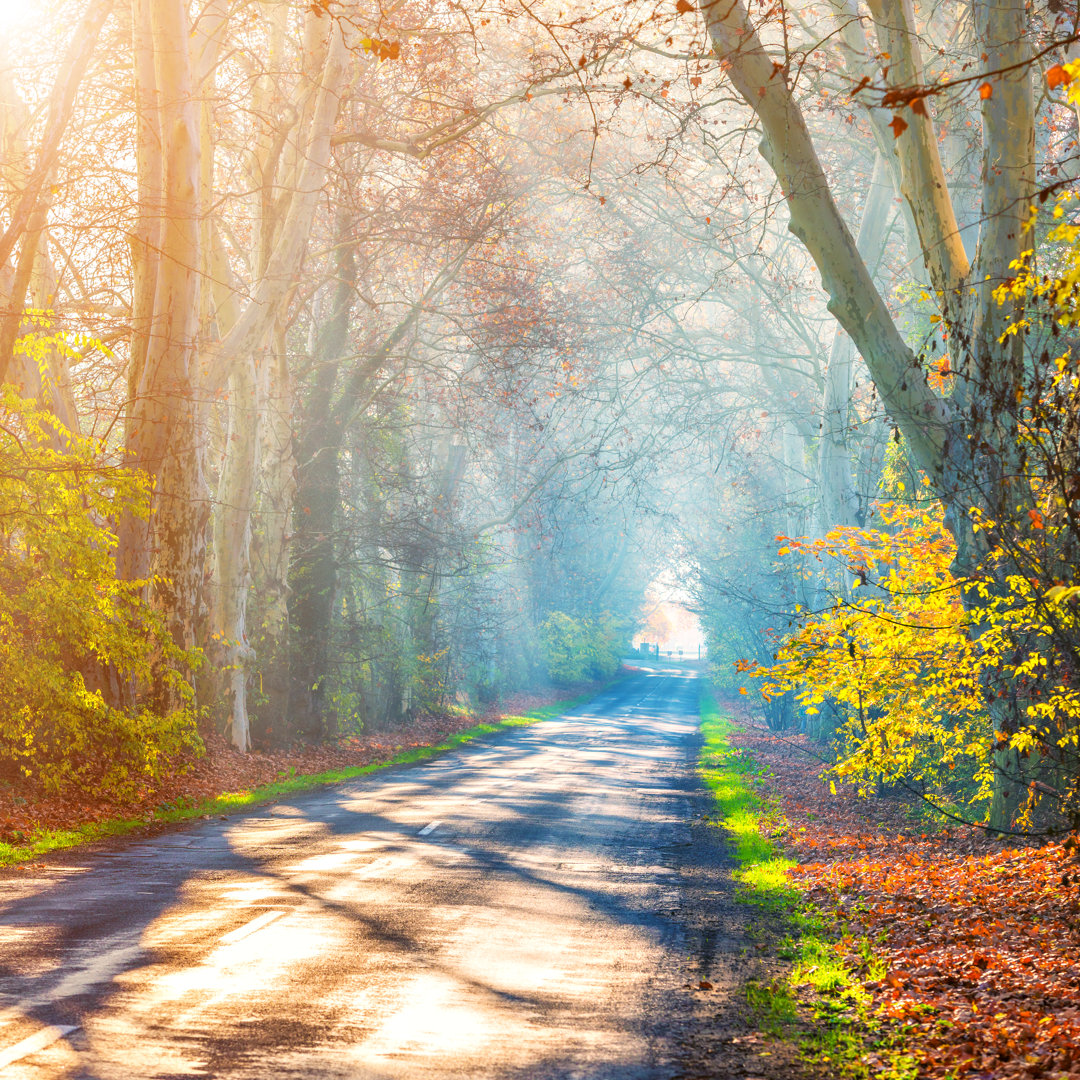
{"points": [[16, 14]]}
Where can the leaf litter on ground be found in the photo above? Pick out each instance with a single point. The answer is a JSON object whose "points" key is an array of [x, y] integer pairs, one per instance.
{"points": [[979, 936]]}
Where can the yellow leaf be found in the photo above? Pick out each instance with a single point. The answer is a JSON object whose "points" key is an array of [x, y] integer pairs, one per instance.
{"points": [[1060, 593]]}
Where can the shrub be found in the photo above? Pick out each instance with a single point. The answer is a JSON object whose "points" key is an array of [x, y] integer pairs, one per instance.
{"points": [[69, 628], [578, 649]]}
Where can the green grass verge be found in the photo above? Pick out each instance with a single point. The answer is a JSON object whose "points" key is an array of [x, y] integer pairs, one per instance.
{"points": [[823, 987], [729, 775], [42, 841]]}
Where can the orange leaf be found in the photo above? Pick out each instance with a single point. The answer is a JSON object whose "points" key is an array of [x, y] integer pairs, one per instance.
{"points": [[899, 125], [683, 6], [1036, 519], [986, 91], [1057, 76]]}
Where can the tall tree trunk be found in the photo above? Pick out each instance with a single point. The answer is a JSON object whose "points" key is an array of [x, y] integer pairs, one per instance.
{"points": [[966, 471], [279, 257], [29, 216], [817, 222], [276, 501], [164, 434], [232, 548], [313, 565]]}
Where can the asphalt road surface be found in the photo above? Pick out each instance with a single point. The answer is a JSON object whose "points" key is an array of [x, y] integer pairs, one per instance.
{"points": [[527, 907]]}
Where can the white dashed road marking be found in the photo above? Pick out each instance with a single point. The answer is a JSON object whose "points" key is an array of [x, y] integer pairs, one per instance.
{"points": [[33, 1043], [249, 928]]}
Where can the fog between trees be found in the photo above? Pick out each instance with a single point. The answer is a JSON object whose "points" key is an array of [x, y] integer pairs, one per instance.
{"points": [[436, 332]]}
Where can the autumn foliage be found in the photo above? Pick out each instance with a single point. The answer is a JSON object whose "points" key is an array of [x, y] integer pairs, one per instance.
{"points": [[978, 940], [74, 639], [904, 662]]}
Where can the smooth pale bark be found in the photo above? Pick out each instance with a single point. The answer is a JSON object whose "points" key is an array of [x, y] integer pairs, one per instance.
{"points": [[277, 462], [268, 139], [277, 496], [838, 501], [860, 62], [796, 486], [922, 176], [227, 645], [817, 222], [232, 547], [208, 39], [256, 320], [237, 359]]}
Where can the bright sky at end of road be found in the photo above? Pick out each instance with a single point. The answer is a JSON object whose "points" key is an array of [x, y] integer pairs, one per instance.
{"points": [[669, 622]]}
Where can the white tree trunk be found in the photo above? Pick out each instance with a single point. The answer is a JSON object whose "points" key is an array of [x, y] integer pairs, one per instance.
{"points": [[922, 176], [232, 547], [238, 358], [278, 487], [838, 501], [816, 221]]}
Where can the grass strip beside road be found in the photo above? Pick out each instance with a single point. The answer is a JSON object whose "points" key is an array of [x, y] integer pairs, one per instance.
{"points": [[821, 1003], [728, 773], [43, 841]]}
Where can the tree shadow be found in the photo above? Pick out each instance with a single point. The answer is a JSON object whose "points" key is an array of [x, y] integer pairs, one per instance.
{"points": [[89, 921]]}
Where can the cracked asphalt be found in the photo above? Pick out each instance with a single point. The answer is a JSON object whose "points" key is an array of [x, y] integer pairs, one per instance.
{"points": [[543, 904]]}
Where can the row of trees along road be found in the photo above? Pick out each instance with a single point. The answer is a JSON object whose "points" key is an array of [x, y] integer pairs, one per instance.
{"points": [[411, 337]]}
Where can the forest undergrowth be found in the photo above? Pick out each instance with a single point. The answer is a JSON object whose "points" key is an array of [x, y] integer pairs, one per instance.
{"points": [[962, 950], [224, 779]]}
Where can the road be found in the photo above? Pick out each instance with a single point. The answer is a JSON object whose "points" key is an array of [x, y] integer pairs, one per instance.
{"points": [[527, 907]]}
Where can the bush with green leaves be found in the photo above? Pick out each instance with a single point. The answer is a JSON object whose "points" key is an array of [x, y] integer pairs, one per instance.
{"points": [[76, 643], [575, 650]]}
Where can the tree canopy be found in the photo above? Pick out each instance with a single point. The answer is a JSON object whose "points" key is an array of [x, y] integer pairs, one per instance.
{"points": [[383, 357]]}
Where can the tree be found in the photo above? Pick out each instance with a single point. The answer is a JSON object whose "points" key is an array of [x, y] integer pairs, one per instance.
{"points": [[967, 443]]}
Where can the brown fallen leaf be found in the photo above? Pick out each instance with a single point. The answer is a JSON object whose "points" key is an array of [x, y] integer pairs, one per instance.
{"points": [[979, 932]]}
